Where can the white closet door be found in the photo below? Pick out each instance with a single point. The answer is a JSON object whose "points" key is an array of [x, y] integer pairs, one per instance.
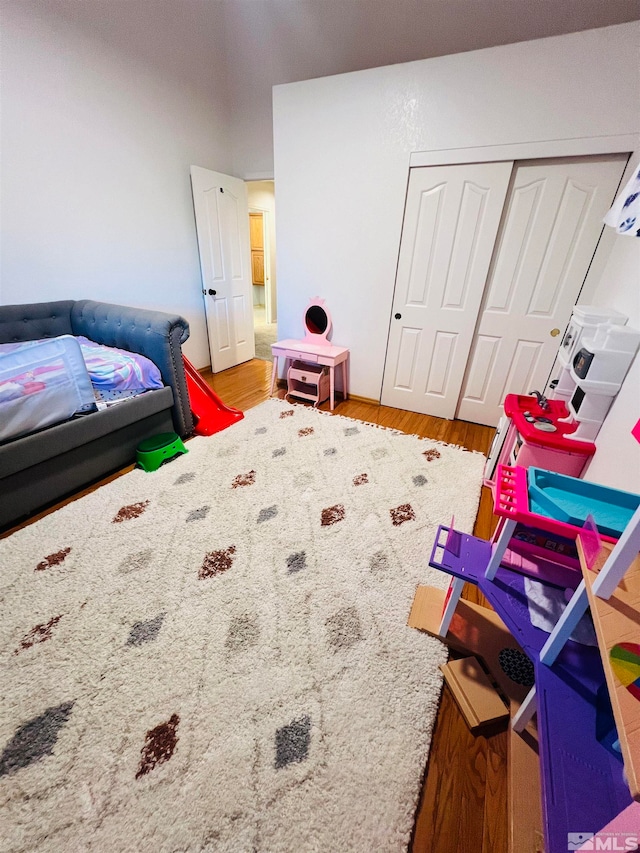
{"points": [[551, 227], [450, 225], [222, 225]]}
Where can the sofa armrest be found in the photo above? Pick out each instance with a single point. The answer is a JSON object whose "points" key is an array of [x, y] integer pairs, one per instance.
{"points": [[154, 334]]}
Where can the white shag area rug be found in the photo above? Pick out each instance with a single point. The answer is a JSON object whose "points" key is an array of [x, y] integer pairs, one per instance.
{"points": [[215, 656]]}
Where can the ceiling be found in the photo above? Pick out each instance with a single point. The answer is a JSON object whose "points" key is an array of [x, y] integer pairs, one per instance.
{"points": [[279, 41], [252, 45]]}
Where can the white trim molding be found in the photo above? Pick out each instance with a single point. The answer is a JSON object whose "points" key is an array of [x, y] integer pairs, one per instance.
{"points": [[578, 147]]}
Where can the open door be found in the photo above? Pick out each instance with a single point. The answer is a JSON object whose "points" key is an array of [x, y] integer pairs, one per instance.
{"points": [[222, 226]]}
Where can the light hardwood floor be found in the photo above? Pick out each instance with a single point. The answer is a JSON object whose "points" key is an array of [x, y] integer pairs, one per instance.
{"points": [[463, 802]]}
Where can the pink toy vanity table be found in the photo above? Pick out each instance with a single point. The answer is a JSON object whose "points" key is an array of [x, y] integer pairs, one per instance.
{"points": [[313, 349]]}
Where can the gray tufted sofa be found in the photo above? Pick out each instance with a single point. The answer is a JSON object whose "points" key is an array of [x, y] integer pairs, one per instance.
{"points": [[41, 468]]}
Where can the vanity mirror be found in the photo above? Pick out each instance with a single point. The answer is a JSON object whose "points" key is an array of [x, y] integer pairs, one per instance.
{"points": [[317, 323]]}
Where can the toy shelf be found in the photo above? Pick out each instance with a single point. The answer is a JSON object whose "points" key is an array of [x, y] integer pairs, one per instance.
{"points": [[582, 783], [466, 557], [577, 664], [617, 621], [541, 563], [574, 765], [506, 594]]}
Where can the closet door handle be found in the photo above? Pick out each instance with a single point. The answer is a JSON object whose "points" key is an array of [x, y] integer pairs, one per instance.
{"points": [[398, 316], [212, 292]]}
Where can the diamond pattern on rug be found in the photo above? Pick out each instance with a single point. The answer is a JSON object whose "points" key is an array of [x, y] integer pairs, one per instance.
{"points": [[243, 633], [38, 634], [267, 513], [247, 479], [217, 562], [126, 513], [292, 742], [35, 739], [332, 515], [187, 477], [330, 451], [344, 628], [431, 454], [305, 431], [136, 562], [159, 745], [145, 632], [52, 560], [279, 451], [361, 479], [351, 431], [379, 562], [296, 562], [198, 514], [402, 513], [419, 480]]}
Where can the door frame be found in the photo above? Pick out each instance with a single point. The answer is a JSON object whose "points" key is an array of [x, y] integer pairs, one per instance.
{"points": [[266, 224]]}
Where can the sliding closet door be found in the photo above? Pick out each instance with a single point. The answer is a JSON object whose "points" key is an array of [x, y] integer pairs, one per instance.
{"points": [[450, 225], [550, 230]]}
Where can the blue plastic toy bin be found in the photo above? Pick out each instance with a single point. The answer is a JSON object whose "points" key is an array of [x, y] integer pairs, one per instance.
{"points": [[570, 500]]}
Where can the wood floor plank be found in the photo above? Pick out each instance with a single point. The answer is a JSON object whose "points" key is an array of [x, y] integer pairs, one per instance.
{"points": [[495, 837]]}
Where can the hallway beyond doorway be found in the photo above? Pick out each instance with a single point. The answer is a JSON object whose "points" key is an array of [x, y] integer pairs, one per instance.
{"points": [[265, 333]]}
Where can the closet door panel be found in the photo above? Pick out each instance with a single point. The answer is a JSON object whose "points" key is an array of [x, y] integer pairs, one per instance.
{"points": [[451, 220], [550, 229]]}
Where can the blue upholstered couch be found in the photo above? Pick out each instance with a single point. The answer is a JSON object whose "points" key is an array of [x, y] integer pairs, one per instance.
{"points": [[39, 469]]}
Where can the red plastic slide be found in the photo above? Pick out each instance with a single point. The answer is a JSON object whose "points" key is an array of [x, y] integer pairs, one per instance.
{"points": [[209, 412]]}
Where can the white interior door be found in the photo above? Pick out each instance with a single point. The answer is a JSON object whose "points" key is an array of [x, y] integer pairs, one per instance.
{"points": [[551, 226], [222, 225], [451, 220]]}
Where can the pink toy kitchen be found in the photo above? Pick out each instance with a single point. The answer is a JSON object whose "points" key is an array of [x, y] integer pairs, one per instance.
{"points": [[557, 432]]}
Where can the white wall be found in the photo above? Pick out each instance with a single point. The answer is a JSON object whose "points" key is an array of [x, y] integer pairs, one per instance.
{"points": [[96, 148], [617, 459], [342, 149], [262, 197]]}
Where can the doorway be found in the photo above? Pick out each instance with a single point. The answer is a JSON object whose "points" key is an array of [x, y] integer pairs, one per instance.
{"points": [[261, 199]]}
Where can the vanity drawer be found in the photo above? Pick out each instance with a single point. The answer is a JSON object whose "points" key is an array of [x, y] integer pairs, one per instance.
{"points": [[310, 357]]}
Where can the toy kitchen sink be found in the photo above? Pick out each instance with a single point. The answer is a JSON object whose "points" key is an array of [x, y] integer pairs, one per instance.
{"points": [[536, 431]]}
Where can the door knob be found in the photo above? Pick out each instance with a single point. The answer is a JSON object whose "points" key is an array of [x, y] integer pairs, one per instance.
{"points": [[212, 292], [398, 316], [554, 333]]}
